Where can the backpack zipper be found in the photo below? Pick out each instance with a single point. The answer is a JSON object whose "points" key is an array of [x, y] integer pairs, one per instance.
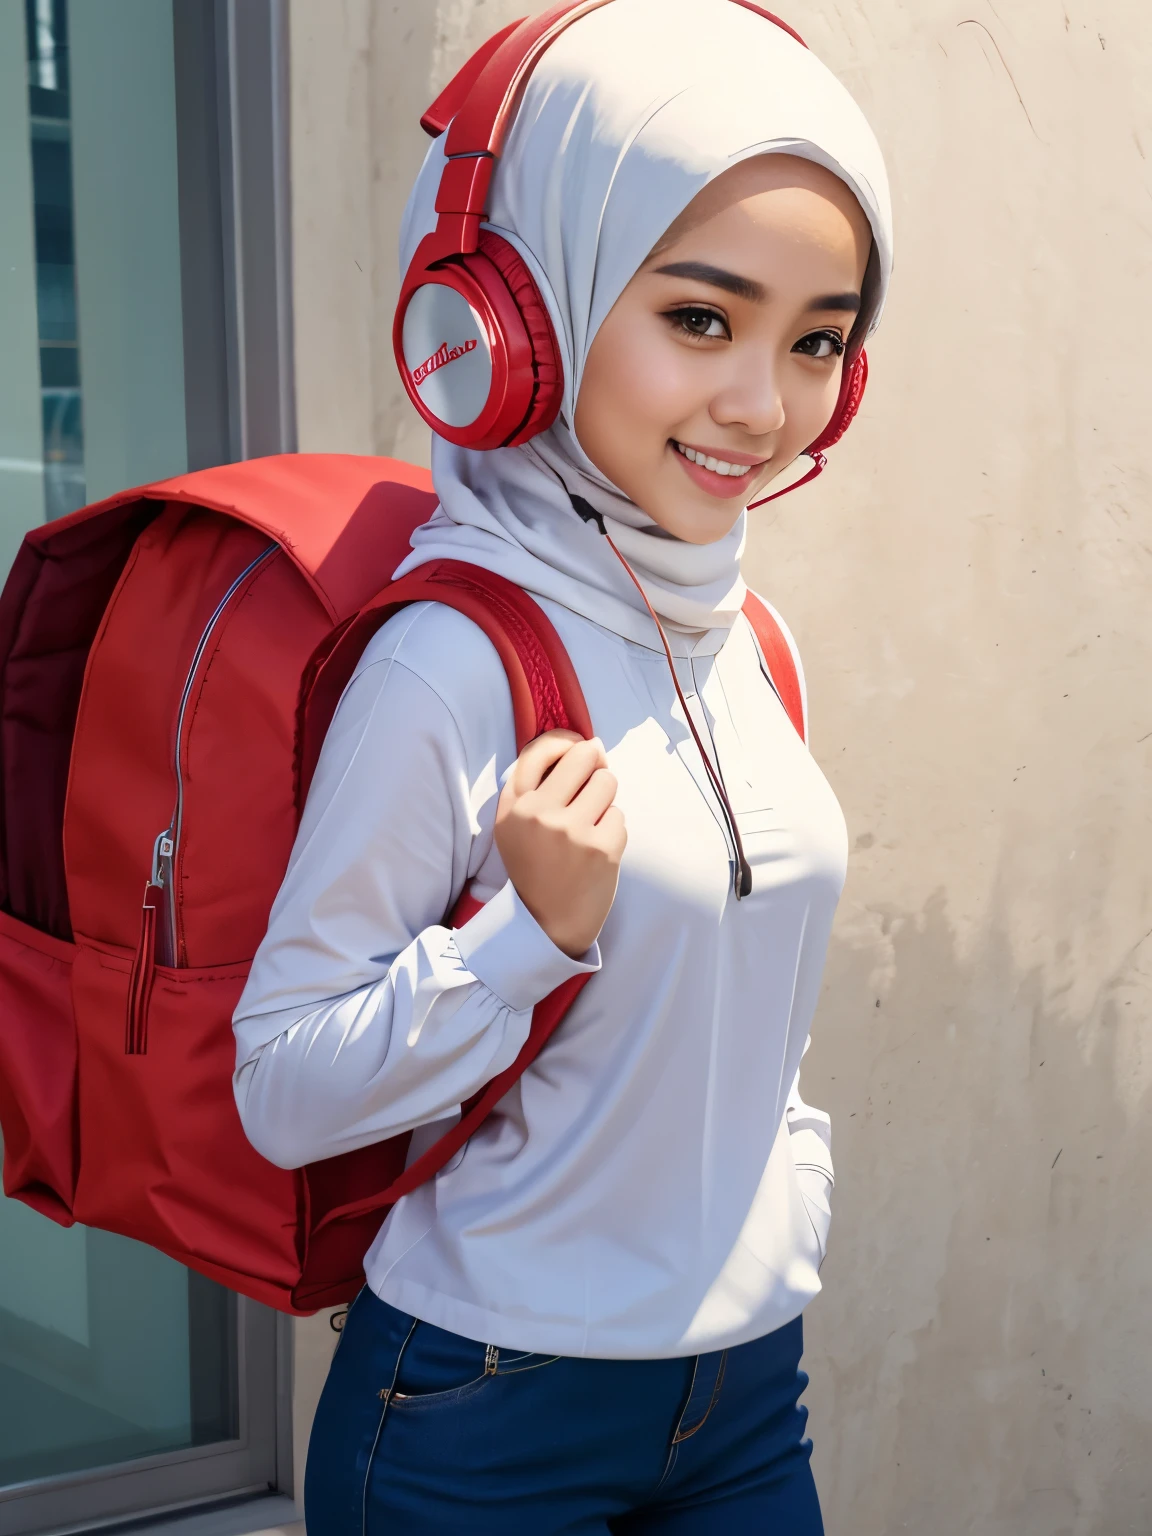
{"points": [[167, 845], [158, 944]]}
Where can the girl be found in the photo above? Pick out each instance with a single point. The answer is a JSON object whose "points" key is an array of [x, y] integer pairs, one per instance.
{"points": [[590, 1320]]}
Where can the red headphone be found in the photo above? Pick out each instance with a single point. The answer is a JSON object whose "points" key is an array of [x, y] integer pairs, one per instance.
{"points": [[473, 338]]}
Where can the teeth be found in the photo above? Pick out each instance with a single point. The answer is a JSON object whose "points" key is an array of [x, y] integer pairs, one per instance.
{"points": [[717, 466]]}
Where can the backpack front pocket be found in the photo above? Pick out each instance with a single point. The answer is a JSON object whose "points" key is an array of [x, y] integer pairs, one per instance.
{"points": [[37, 1069], [164, 1156]]}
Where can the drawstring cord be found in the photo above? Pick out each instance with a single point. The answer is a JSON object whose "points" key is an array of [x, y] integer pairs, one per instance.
{"points": [[742, 881]]}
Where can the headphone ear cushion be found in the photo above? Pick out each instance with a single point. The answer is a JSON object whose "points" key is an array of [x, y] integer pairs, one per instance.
{"points": [[851, 394], [547, 366]]}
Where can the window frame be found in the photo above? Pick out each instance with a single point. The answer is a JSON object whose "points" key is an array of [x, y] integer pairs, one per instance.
{"points": [[247, 1466], [235, 228], [232, 167]]}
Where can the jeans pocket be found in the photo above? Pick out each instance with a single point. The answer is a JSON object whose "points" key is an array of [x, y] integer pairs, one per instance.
{"points": [[451, 1397], [442, 1369], [438, 1368]]}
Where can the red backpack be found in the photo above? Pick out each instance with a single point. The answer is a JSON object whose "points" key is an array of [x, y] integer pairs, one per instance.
{"points": [[170, 660]]}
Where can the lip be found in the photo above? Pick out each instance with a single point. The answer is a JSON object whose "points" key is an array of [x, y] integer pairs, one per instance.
{"points": [[723, 487]]}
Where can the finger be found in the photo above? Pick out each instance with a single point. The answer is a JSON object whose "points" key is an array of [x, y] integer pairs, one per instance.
{"points": [[572, 772], [538, 757], [612, 833], [595, 797]]}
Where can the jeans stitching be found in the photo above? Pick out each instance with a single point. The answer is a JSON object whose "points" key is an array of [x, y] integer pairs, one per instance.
{"points": [[715, 1398], [518, 1370], [681, 1434], [417, 1402], [686, 1434], [386, 1399], [673, 1456], [411, 1397], [675, 1441]]}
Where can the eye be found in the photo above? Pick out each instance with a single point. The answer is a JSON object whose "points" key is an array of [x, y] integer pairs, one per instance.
{"points": [[821, 345], [698, 322]]}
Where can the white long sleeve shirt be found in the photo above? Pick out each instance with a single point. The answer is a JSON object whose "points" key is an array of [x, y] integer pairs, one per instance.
{"points": [[654, 1185]]}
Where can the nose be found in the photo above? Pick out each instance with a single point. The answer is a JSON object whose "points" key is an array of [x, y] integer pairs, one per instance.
{"points": [[749, 395]]}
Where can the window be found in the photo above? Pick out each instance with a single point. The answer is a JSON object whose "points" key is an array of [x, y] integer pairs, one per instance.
{"points": [[143, 311]]}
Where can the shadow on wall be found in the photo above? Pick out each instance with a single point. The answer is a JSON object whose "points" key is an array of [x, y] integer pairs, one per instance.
{"points": [[986, 1139]]}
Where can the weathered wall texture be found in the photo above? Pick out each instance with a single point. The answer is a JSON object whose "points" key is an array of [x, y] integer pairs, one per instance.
{"points": [[970, 587]]}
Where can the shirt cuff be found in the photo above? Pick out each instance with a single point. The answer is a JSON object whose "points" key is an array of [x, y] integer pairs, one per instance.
{"points": [[506, 950]]}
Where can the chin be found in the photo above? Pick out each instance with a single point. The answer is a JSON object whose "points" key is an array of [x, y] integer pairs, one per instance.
{"points": [[711, 534], [693, 522], [700, 525]]}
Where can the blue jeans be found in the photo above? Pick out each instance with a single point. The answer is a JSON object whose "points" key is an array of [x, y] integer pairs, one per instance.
{"points": [[420, 1431]]}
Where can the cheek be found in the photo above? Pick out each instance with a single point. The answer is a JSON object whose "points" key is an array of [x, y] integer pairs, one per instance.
{"points": [[635, 386], [809, 403]]}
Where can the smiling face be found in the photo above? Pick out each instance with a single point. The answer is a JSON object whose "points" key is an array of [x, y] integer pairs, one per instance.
{"points": [[721, 360]]}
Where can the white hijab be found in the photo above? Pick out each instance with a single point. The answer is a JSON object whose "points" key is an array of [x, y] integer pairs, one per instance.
{"points": [[627, 116]]}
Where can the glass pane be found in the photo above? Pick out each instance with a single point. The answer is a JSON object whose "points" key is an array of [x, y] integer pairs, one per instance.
{"points": [[108, 1351], [49, 112], [126, 212], [101, 124], [21, 426]]}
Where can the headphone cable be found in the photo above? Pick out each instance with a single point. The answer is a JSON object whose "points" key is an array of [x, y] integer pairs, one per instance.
{"points": [[742, 880]]}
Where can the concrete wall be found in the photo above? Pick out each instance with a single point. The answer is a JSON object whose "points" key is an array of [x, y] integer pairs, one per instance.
{"points": [[970, 588]]}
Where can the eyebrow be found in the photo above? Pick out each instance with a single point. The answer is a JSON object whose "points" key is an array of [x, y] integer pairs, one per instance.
{"points": [[748, 288], [717, 277], [849, 303]]}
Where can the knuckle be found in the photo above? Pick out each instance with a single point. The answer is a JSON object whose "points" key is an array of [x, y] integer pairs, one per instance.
{"points": [[557, 743]]}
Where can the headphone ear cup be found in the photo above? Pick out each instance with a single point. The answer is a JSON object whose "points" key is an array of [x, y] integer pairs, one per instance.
{"points": [[547, 367], [851, 394]]}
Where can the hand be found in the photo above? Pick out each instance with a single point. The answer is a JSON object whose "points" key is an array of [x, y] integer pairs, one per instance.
{"points": [[561, 837]]}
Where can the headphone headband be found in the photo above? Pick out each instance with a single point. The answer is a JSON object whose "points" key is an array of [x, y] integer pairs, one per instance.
{"points": [[479, 105], [482, 124]]}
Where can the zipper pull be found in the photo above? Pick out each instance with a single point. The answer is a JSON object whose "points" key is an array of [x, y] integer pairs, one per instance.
{"points": [[163, 850], [143, 971]]}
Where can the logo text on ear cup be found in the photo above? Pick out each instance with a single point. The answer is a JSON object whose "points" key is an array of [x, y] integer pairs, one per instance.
{"points": [[443, 355]]}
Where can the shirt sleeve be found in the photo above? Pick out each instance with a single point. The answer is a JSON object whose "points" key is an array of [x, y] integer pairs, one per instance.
{"points": [[366, 1013], [811, 1141]]}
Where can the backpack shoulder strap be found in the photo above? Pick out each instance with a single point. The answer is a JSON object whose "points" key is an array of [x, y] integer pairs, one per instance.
{"points": [[546, 695], [778, 660]]}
